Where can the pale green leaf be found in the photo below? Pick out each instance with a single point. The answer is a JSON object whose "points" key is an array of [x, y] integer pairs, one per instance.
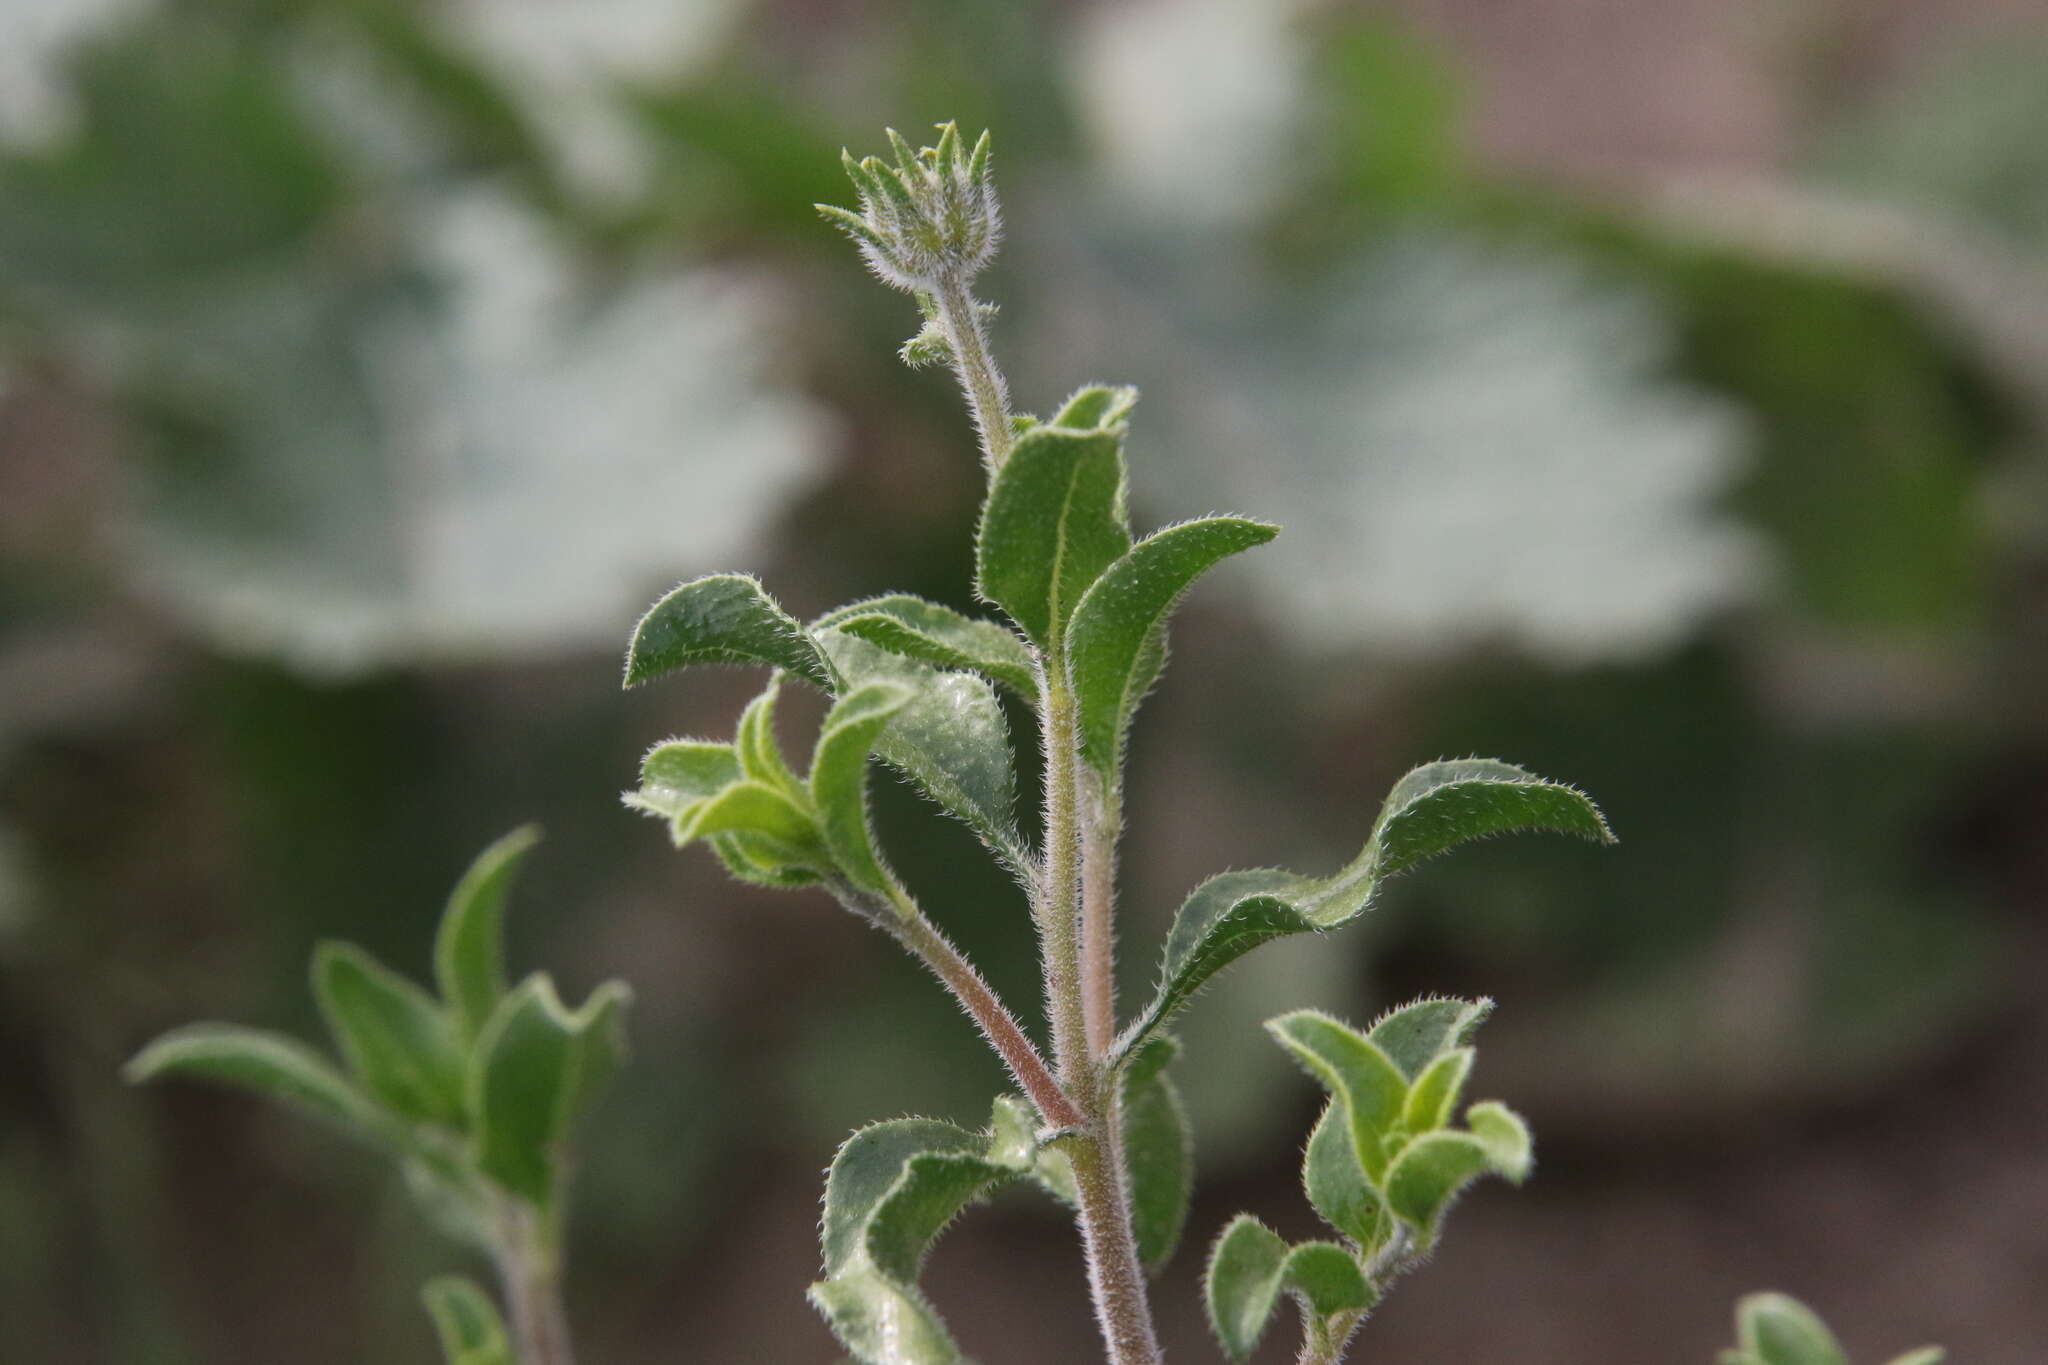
{"points": [[1054, 520], [1434, 1094], [1415, 1034], [1098, 407], [1925, 1355], [721, 619], [839, 779], [1359, 1076], [1116, 625], [1428, 1174], [1159, 1148], [399, 1042], [467, 1322], [1440, 805], [469, 946], [1336, 1185], [1779, 1330], [764, 814], [1510, 1151], [1328, 1280], [1242, 1283], [270, 1064], [755, 745], [678, 773], [534, 1066], [939, 636], [950, 739]]}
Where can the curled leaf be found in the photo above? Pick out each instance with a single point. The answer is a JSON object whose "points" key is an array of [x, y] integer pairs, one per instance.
{"points": [[721, 619]]}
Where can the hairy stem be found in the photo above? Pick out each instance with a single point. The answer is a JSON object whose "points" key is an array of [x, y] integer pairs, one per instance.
{"points": [[1324, 1345], [1116, 1280], [530, 1264], [997, 1024], [1099, 827], [1058, 912], [988, 397]]}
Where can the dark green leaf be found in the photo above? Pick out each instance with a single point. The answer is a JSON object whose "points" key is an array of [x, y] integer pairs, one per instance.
{"points": [[1417, 1033], [1336, 1185], [950, 739], [1160, 1153], [839, 779], [893, 1188], [535, 1064], [467, 1322], [1242, 1283], [1115, 626], [722, 619], [1441, 805], [1368, 1086], [399, 1042], [939, 636], [271, 1064], [469, 947], [1054, 521], [1779, 1330]]}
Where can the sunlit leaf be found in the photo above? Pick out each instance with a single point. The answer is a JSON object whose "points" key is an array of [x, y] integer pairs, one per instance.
{"points": [[939, 636]]}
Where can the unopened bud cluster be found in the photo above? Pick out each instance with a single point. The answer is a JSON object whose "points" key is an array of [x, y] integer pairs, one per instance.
{"points": [[931, 217]]}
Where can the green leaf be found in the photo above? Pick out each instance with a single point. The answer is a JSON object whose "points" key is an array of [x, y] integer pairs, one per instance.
{"points": [[1414, 1035], [1441, 805], [1112, 638], [1251, 1266], [721, 619], [769, 819], [950, 740], [678, 773], [1054, 520], [940, 636], [1433, 808], [534, 1066], [270, 1064], [1364, 1082], [839, 779], [1098, 407], [469, 946], [1014, 1141], [1242, 1284], [399, 1042], [1160, 1153], [467, 1322], [756, 747], [892, 1189], [1925, 1355], [1434, 1094], [1433, 1168], [1510, 1151], [1780, 1330], [1336, 1185]]}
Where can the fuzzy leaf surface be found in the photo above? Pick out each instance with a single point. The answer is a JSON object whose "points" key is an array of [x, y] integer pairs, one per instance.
{"points": [[839, 779], [1251, 1266], [467, 1322], [940, 636], [1414, 1035], [1433, 1168], [892, 1189], [1433, 808], [399, 1042], [1111, 642], [1160, 1152], [1054, 520], [1336, 1185], [469, 945], [535, 1064], [1097, 407], [270, 1064], [678, 773], [950, 739], [1364, 1082], [721, 619], [1434, 1094]]}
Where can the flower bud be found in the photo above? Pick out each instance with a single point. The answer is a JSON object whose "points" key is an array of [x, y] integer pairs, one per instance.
{"points": [[930, 217]]}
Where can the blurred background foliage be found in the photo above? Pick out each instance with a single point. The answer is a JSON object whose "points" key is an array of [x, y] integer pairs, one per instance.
{"points": [[1654, 395]]}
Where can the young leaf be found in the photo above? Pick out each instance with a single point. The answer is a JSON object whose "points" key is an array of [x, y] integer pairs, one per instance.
{"points": [[1054, 521], [399, 1042], [1510, 1152], [1779, 1330], [678, 773], [1431, 809], [1336, 1185], [721, 619], [271, 1064], [762, 813], [1435, 1092], [535, 1064], [1160, 1153], [1925, 1355], [1440, 805], [1432, 1169], [839, 779], [950, 739], [1368, 1086], [1118, 620], [1328, 1280], [467, 1322], [469, 946], [755, 745], [1098, 407], [1414, 1035], [893, 1188], [940, 636], [1242, 1284]]}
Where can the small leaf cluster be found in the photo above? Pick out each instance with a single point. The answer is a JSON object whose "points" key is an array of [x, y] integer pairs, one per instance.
{"points": [[1777, 1329], [473, 1093], [931, 216], [1383, 1166]]}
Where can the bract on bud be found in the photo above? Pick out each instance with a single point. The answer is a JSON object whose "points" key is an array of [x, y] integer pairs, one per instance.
{"points": [[931, 216]]}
